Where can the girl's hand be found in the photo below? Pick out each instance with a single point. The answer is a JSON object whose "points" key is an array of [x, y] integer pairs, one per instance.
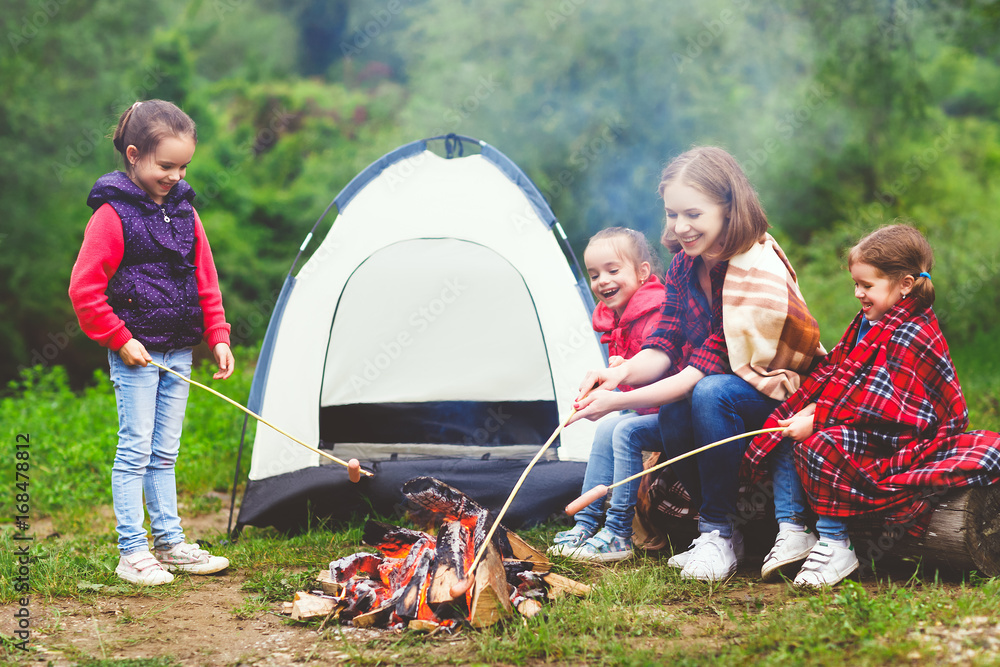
{"points": [[800, 425], [604, 378], [134, 353], [595, 405], [224, 357]]}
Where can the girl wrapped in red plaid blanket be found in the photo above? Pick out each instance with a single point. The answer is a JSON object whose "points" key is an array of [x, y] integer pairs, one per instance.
{"points": [[878, 426]]}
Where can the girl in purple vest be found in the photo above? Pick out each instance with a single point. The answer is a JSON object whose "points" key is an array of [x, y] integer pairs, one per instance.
{"points": [[145, 286]]}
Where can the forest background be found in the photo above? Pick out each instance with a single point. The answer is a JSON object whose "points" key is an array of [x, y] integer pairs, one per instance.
{"points": [[846, 114]]}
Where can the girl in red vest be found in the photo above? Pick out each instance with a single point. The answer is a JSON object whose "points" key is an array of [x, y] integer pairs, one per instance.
{"points": [[145, 286], [630, 296], [878, 426]]}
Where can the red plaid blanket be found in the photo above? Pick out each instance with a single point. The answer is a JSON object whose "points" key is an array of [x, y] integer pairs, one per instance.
{"points": [[889, 424]]}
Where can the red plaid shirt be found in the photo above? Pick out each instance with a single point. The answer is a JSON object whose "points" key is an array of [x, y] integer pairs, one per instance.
{"points": [[889, 422], [688, 332]]}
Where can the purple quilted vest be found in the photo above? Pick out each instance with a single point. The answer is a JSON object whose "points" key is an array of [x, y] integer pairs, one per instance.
{"points": [[154, 291]]}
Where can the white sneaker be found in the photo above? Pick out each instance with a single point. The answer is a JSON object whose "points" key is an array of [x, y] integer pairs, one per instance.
{"points": [[714, 558], [679, 560], [191, 558], [790, 547], [141, 568], [827, 565]]}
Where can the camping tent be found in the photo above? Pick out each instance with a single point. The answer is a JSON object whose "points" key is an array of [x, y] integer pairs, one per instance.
{"points": [[441, 328]]}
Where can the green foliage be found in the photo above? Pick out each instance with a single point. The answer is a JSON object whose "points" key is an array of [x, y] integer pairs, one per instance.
{"points": [[845, 114], [73, 435]]}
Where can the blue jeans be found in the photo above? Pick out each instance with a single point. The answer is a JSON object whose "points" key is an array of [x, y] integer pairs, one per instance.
{"points": [[151, 405], [720, 406], [615, 455], [790, 498]]}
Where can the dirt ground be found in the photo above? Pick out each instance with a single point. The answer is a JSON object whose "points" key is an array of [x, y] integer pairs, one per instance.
{"points": [[198, 627]]}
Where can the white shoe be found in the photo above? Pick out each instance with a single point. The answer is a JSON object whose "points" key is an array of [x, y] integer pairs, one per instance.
{"points": [[191, 558], [714, 558], [679, 560], [790, 547], [827, 565], [141, 568]]}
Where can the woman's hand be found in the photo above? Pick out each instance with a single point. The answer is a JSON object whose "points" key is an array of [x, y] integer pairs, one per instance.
{"points": [[224, 358], [134, 353]]}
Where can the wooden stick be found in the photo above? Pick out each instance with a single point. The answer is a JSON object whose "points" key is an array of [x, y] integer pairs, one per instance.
{"points": [[463, 586], [351, 466], [601, 490]]}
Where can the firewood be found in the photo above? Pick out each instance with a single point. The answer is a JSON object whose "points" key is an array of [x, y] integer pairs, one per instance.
{"points": [[449, 561], [528, 607], [490, 592], [377, 618], [524, 551], [963, 534], [420, 625], [329, 586], [560, 585], [306, 605]]}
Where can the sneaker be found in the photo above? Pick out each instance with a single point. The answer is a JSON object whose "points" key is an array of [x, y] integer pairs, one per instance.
{"points": [[827, 565], [605, 547], [714, 558], [791, 546], [679, 560], [191, 558], [141, 568], [567, 542]]}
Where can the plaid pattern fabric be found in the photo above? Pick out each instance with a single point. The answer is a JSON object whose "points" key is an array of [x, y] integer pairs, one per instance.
{"points": [[771, 335], [889, 424], [689, 332]]}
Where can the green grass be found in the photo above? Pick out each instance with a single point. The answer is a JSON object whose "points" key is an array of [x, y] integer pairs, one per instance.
{"points": [[638, 612], [73, 436]]}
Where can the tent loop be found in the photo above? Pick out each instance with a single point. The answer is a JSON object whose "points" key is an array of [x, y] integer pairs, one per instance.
{"points": [[452, 141]]}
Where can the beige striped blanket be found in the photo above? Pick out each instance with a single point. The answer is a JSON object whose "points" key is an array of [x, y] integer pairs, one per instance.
{"points": [[771, 336]]}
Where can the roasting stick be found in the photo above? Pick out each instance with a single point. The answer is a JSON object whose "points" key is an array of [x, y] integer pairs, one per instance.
{"points": [[354, 469], [463, 586], [601, 490]]}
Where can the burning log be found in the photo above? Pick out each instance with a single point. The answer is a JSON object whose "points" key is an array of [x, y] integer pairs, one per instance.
{"points": [[408, 582]]}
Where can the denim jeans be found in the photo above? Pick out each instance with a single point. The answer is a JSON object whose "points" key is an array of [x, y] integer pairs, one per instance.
{"points": [[615, 455], [720, 406], [790, 497], [151, 405]]}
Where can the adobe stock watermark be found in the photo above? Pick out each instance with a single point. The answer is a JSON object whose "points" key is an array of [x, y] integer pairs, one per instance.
{"points": [[32, 24], [495, 420], [579, 162], [713, 29], [563, 11], [909, 174], [419, 321], [369, 31], [91, 138], [468, 105], [963, 294], [58, 341], [903, 12], [786, 126], [278, 121]]}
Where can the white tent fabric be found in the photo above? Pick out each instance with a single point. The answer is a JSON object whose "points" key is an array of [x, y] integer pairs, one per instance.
{"points": [[438, 281]]}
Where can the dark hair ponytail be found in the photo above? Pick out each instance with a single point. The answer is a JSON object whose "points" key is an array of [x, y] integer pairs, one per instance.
{"points": [[145, 124]]}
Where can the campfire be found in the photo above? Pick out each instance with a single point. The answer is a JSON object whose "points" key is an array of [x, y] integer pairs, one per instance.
{"points": [[408, 582]]}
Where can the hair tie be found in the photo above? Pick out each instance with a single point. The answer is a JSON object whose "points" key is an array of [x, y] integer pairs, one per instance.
{"points": [[924, 274]]}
